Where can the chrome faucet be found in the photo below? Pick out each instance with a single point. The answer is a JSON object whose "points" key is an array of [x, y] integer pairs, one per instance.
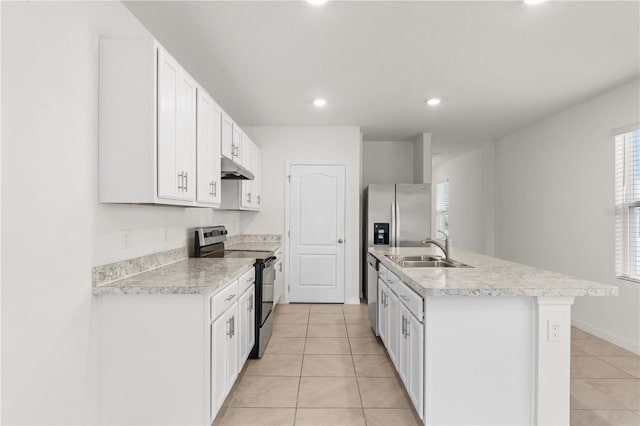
{"points": [[445, 248]]}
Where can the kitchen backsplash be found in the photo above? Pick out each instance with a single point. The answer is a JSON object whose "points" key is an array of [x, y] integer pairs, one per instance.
{"points": [[110, 272]]}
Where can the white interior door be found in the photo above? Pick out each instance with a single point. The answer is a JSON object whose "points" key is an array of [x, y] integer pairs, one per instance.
{"points": [[317, 230]]}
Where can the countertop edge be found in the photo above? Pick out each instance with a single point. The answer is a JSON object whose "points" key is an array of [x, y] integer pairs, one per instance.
{"points": [[422, 290]]}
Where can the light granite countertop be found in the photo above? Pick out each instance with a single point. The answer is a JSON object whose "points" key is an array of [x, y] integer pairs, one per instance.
{"points": [[253, 246], [489, 276], [188, 276]]}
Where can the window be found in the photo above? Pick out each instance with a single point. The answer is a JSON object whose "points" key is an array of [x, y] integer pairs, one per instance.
{"points": [[628, 205], [442, 207]]}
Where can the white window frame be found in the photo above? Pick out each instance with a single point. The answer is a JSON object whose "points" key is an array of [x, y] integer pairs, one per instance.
{"points": [[627, 204], [442, 207]]}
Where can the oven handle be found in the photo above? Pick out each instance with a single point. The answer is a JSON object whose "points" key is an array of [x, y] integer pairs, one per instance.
{"points": [[269, 262]]}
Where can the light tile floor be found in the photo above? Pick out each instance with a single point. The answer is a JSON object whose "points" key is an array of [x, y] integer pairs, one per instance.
{"points": [[605, 382], [324, 366]]}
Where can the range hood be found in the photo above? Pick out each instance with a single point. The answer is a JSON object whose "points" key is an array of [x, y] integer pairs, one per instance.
{"points": [[233, 171]]}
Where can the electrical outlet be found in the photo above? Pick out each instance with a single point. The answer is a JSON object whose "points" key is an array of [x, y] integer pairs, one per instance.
{"points": [[553, 331]]}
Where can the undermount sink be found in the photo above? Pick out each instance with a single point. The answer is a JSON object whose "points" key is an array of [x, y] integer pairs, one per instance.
{"points": [[426, 262]]}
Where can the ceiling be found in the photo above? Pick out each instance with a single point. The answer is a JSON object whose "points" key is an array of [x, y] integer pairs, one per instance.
{"points": [[497, 66]]}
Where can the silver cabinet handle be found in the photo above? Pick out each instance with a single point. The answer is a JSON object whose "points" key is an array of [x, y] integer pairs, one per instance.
{"points": [[280, 267], [403, 297], [215, 188], [258, 198], [180, 181], [248, 197], [406, 328], [186, 182], [229, 331], [403, 325], [340, 241], [229, 297], [211, 189]]}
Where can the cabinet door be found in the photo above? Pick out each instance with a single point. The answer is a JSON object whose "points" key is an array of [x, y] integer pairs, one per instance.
{"points": [[403, 358], [257, 182], [236, 138], [247, 328], [393, 329], [208, 152], [246, 148], [186, 147], [251, 319], [415, 350], [233, 346], [220, 335], [278, 284], [226, 148], [382, 311], [169, 176]]}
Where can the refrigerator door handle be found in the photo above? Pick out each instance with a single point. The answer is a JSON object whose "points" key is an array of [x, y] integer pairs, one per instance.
{"points": [[397, 224], [393, 225]]}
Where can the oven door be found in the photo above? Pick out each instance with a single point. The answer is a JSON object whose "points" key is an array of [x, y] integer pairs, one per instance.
{"points": [[268, 280]]}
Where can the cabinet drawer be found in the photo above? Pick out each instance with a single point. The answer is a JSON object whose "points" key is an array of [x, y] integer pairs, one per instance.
{"points": [[224, 299], [411, 300], [246, 280], [392, 281]]}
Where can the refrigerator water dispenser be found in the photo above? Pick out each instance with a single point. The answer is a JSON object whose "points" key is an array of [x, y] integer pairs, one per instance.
{"points": [[381, 233]]}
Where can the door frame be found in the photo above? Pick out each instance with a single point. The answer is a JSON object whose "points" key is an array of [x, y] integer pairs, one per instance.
{"points": [[287, 208]]}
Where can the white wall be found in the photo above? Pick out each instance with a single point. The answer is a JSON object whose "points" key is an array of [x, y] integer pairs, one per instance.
{"points": [[54, 230], [555, 205], [387, 162], [471, 199], [312, 144]]}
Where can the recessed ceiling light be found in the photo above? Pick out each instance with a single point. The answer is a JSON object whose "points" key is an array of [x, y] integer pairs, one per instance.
{"points": [[316, 2], [533, 2], [433, 102], [319, 102]]}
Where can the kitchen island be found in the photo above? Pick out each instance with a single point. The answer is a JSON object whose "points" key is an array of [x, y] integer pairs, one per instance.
{"points": [[494, 344]]}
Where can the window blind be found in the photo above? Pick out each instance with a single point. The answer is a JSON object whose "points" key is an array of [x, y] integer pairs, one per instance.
{"points": [[442, 207], [627, 199]]}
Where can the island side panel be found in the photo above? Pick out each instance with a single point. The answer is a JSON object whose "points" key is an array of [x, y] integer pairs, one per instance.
{"points": [[479, 360], [553, 381], [153, 359]]}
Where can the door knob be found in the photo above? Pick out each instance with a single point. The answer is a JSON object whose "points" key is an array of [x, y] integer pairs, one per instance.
{"points": [[340, 241]]}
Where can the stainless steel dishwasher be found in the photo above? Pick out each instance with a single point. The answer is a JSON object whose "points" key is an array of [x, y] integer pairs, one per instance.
{"points": [[372, 291]]}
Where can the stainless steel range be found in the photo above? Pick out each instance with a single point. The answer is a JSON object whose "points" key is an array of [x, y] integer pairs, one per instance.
{"points": [[209, 242]]}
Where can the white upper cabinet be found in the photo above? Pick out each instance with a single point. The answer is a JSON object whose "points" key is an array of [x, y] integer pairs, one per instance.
{"points": [[257, 182], [227, 149], [236, 144], [161, 136], [209, 141], [245, 194]]}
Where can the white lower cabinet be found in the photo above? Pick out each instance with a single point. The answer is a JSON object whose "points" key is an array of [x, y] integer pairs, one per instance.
{"points": [[247, 315], [278, 285], [392, 319], [401, 328], [224, 356], [171, 358], [383, 323], [411, 356]]}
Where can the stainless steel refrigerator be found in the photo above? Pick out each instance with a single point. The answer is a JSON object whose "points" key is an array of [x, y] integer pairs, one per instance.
{"points": [[396, 215]]}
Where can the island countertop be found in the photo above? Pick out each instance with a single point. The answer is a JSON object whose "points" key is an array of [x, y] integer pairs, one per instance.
{"points": [[188, 276], [489, 276]]}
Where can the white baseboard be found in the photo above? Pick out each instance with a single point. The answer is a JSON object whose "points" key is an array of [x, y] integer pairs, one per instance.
{"points": [[611, 338], [352, 301]]}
